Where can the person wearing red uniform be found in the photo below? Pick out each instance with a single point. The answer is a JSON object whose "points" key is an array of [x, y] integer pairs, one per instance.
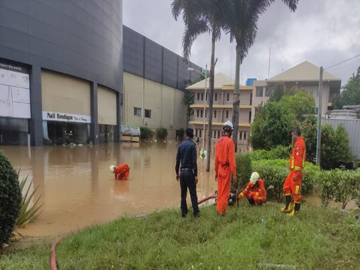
{"points": [[120, 172], [292, 184], [225, 167], [254, 191]]}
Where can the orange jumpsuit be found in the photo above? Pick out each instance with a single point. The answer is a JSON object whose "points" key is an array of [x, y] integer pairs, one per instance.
{"points": [[225, 167], [122, 172], [255, 192], [292, 184]]}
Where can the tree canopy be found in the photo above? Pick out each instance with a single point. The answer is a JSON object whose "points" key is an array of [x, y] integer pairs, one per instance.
{"points": [[350, 94], [273, 122]]}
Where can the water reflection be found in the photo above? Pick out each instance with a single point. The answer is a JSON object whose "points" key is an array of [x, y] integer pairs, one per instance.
{"points": [[78, 190]]}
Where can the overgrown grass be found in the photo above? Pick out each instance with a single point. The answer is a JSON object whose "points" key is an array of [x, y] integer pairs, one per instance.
{"points": [[317, 238]]}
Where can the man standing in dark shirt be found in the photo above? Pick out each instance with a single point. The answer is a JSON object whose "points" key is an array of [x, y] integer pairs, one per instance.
{"points": [[188, 177]]}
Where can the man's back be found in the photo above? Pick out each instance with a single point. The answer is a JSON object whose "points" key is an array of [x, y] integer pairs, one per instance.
{"points": [[187, 155]]}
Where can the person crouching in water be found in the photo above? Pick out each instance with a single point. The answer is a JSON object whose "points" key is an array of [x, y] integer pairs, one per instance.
{"points": [[254, 191], [225, 167], [120, 172]]}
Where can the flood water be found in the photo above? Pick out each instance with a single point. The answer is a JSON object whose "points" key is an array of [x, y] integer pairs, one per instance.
{"points": [[77, 189]]}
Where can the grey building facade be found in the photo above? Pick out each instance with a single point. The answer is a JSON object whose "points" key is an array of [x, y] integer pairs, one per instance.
{"points": [[73, 54]]}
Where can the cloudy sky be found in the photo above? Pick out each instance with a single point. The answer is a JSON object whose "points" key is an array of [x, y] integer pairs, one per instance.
{"points": [[324, 32]]}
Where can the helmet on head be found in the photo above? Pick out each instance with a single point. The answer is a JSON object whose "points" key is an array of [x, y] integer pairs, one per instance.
{"points": [[254, 177], [228, 126], [112, 168]]}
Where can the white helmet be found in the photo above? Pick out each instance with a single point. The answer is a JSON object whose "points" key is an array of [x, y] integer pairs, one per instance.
{"points": [[112, 168], [254, 177], [228, 125]]}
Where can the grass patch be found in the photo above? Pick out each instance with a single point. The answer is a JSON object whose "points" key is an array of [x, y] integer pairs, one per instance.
{"points": [[316, 239]]}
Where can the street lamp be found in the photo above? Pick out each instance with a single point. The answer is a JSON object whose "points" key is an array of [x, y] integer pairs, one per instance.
{"points": [[205, 75]]}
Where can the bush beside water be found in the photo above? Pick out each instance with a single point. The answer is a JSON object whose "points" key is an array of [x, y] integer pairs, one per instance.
{"points": [[161, 133], [146, 133], [10, 199]]}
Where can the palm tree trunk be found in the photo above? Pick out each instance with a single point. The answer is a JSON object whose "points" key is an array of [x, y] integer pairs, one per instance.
{"points": [[211, 100], [236, 104]]}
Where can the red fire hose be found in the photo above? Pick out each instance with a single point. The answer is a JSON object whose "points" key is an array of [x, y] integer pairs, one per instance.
{"points": [[207, 198], [53, 265]]}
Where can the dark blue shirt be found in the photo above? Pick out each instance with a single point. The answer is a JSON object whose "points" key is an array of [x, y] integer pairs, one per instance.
{"points": [[187, 156]]}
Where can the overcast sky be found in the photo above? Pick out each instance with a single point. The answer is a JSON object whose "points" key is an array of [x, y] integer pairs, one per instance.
{"points": [[323, 32]]}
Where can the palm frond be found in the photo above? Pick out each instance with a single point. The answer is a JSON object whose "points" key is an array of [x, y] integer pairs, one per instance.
{"points": [[28, 213]]}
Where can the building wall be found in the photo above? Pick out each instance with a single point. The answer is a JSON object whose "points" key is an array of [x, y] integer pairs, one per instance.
{"points": [[106, 106], [164, 102], [65, 94], [82, 39], [145, 58]]}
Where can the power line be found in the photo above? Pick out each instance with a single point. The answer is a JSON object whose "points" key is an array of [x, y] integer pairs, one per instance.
{"points": [[347, 60]]}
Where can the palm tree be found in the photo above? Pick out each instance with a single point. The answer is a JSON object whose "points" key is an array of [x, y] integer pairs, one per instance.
{"points": [[239, 18], [199, 17]]}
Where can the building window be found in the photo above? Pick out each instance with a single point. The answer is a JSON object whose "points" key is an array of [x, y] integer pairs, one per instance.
{"points": [[198, 96], [245, 134], [251, 98], [202, 96], [201, 113], [205, 113], [215, 96], [227, 114], [206, 96], [137, 112], [259, 91], [219, 134], [268, 92], [215, 113], [147, 113], [250, 117], [227, 96], [241, 136], [197, 113]]}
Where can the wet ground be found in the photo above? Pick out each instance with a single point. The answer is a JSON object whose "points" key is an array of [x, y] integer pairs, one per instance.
{"points": [[78, 190]]}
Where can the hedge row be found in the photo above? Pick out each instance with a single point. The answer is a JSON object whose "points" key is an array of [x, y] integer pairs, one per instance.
{"points": [[335, 185]]}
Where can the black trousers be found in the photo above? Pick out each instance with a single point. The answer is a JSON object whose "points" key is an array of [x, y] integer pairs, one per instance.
{"points": [[187, 181]]}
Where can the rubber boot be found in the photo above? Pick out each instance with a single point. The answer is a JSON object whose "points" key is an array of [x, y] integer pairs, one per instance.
{"points": [[295, 210], [288, 206]]}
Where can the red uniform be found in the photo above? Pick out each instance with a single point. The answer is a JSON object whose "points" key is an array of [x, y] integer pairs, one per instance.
{"points": [[225, 167], [255, 192], [122, 172], [292, 184]]}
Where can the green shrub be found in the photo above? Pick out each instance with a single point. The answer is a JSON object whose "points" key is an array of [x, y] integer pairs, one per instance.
{"points": [[348, 186], [280, 152], [146, 133], [329, 184], [274, 173], [161, 133], [244, 169], [10, 199]]}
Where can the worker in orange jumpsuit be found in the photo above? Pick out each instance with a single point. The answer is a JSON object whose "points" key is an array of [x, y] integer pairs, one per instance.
{"points": [[292, 184], [121, 172], [254, 191], [225, 167]]}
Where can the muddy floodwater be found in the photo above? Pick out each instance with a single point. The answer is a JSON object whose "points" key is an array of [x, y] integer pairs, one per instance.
{"points": [[78, 190]]}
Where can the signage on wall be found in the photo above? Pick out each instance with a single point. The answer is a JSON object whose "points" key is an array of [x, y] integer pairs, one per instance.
{"points": [[14, 91], [66, 117]]}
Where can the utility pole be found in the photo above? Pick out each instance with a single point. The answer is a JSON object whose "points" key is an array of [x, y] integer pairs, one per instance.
{"points": [[318, 141]]}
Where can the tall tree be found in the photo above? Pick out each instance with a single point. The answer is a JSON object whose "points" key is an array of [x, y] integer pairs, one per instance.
{"points": [[240, 18], [199, 17], [350, 94]]}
